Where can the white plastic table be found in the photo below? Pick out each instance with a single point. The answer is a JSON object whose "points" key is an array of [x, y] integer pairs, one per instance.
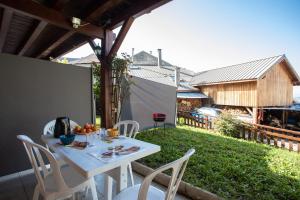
{"points": [[89, 166]]}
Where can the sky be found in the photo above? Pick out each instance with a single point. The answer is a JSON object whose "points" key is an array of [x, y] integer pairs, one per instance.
{"points": [[206, 34]]}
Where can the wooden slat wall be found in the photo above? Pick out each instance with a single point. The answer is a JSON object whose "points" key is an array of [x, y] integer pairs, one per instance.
{"points": [[235, 94], [276, 88]]}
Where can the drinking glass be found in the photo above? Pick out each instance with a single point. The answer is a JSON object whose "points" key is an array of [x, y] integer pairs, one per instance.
{"points": [[90, 138]]}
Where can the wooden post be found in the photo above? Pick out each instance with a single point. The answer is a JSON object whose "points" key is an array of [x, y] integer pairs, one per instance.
{"points": [[254, 115], [105, 78], [283, 119]]}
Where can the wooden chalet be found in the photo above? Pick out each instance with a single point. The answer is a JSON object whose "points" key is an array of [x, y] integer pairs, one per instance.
{"points": [[46, 29], [261, 83]]}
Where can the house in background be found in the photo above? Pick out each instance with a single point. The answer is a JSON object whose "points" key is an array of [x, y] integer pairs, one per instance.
{"points": [[188, 97], [153, 88], [85, 61], [157, 89], [253, 85]]}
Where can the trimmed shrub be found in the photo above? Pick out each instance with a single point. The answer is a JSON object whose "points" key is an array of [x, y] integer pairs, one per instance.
{"points": [[228, 125]]}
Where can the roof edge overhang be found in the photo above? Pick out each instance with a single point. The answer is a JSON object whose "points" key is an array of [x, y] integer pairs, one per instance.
{"points": [[224, 82], [190, 91], [291, 70]]}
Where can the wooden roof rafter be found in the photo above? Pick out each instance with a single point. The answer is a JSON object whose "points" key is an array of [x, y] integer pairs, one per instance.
{"points": [[6, 18], [98, 11], [41, 29], [43, 13], [58, 5], [54, 45], [102, 9]]}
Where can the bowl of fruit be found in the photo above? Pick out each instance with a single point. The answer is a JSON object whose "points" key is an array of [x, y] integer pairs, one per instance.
{"points": [[86, 129]]}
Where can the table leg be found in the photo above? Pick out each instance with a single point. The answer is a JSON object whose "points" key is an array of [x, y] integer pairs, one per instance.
{"points": [[122, 184], [108, 187], [120, 176]]}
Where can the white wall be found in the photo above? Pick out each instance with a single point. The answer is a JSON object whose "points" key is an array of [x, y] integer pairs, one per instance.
{"points": [[33, 92], [147, 97]]}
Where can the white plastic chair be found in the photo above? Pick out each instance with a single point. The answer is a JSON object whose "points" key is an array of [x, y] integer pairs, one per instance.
{"points": [[55, 183], [49, 130], [145, 191], [128, 128]]}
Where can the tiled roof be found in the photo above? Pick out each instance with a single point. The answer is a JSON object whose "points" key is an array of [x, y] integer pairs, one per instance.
{"points": [[240, 72]]}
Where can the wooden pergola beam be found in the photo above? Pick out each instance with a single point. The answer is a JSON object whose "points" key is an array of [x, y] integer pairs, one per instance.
{"points": [[140, 8], [58, 4], [120, 38], [43, 13], [40, 27], [6, 18], [105, 77], [64, 51], [102, 9], [58, 42], [97, 12], [108, 49]]}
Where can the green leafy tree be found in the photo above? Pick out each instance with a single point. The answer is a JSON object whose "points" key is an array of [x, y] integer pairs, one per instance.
{"points": [[96, 67]]}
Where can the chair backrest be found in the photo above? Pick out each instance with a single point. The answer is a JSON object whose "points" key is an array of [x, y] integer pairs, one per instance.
{"points": [[49, 128], [34, 151], [128, 128], [178, 168]]}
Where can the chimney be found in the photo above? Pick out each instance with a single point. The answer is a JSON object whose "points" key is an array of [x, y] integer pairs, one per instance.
{"points": [[177, 76], [132, 54], [150, 52], [159, 61]]}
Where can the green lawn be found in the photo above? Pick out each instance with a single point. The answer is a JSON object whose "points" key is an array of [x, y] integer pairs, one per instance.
{"points": [[231, 168], [98, 121]]}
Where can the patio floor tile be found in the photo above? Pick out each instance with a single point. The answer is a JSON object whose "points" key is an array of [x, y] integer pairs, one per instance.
{"points": [[21, 186]]}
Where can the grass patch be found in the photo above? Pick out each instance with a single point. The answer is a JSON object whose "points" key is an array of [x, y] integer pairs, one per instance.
{"points": [[229, 167], [98, 121]]}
